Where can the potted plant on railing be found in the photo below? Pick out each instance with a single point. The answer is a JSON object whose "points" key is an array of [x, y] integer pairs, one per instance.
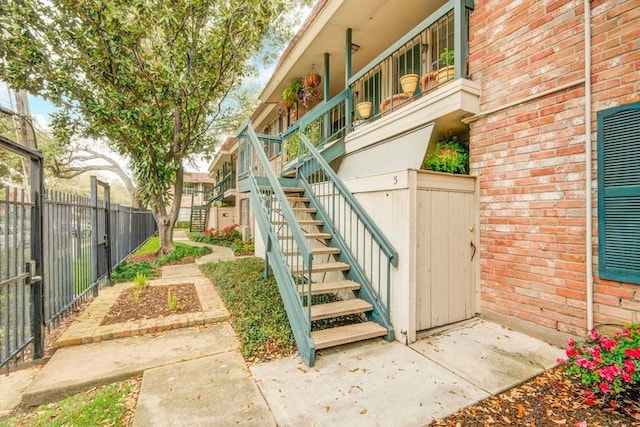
{"points": [[450, 155], [409, 83], [446, 70], [364, 109]]}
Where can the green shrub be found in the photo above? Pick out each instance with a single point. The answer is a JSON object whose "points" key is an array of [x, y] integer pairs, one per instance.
{"points": [[183, 251], [182, 224], [255, 305], [604, 364], [451, 155], [228, 237], [127, 272]]}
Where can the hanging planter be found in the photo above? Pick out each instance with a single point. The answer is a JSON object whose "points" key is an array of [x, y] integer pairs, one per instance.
{"points": [[286, 104], [409, 83], [291, 93], [312, 79]]}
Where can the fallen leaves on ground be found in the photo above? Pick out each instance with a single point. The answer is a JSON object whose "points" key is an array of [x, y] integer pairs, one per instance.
{"points": [[549, 399]]}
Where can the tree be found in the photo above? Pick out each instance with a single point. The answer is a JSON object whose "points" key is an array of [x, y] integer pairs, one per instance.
{"points": [[150, 76]]}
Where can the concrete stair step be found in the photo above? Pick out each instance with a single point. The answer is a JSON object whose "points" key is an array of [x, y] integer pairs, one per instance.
{"points": [[323, 268], [322, 250], [331, 287], [339, 308], [347, 334]]}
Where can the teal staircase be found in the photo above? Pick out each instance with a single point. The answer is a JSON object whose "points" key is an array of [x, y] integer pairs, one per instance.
{"points": [[332, 264]]}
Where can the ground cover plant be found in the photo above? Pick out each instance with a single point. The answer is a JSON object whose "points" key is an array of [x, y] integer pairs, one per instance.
{"points": [[109, 405], [228, 237], [257, 312], [145, 260]]}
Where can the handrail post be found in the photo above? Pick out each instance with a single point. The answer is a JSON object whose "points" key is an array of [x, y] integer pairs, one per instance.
{"points": [[347, 69], [326, 93]]}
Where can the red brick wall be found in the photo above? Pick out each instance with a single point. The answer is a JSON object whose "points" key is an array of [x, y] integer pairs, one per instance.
{"points": [[616, 81], [530, 157]]}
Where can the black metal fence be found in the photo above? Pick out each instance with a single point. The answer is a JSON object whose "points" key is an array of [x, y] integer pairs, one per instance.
{"points": [[82, 239], [74, 262]]}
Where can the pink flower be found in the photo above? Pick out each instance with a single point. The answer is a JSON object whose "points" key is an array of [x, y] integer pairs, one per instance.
{"points": [[607, 343], [571, 343], [629, 366], [626, 377], [605, 388], [633, 353], [623, 333], [594, 334], [571, 352], [609, 372]]}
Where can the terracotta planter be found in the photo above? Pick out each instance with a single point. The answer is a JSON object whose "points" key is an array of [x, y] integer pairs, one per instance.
{"points": [[312, 80], [287, 104], [364, 109], [445, 74], [409, 83]]}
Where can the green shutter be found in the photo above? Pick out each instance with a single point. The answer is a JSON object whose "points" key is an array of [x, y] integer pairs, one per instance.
{"points": [[619, 193]]}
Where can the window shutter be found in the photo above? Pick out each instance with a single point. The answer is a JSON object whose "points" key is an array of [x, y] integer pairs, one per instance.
{"points": [[619, 193]]}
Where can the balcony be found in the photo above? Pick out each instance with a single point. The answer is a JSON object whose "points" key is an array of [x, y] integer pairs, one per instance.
{"points": [[414, 92]]}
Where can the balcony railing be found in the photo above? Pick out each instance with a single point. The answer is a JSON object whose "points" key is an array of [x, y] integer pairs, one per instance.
{"points": [[228, 182], [432, 54]]}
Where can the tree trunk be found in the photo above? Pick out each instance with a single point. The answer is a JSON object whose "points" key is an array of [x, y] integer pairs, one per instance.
{"points": [[167, 220], [165, 232]]}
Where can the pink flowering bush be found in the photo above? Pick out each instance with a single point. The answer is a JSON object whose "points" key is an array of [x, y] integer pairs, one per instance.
{"points": [[606, 364]]}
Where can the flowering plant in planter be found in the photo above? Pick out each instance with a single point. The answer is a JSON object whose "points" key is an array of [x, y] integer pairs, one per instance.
{"points": [[606, 364]]}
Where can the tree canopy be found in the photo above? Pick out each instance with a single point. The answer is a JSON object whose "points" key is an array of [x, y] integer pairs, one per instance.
{"points": [[148, 76]]}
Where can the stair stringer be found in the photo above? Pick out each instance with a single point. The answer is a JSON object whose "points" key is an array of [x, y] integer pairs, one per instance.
{"points": [[298, 319]]}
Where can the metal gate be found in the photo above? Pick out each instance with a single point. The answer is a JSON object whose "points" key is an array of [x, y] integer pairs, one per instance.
{"points": [[101, 222], [21, 303]]}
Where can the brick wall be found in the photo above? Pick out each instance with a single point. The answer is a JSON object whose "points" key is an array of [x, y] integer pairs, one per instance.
{"points": [[530, 157], [616, 81]]}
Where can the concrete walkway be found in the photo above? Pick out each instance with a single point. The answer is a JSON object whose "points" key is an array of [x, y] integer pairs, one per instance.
{"points": [[195, 375]]}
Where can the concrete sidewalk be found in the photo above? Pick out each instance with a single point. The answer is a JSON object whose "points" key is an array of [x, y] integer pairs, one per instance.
{"points": [[196, 376]]}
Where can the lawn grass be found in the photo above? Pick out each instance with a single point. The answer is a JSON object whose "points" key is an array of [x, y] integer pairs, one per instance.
{"points": [[257, 312], [151, 246], [101, 406]]}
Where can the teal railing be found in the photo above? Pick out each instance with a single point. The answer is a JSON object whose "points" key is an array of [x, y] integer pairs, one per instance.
{"points": [[286, 247], [430, 55], [362, 243]]}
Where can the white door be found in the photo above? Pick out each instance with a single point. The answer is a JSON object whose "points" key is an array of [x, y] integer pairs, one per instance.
{"points": [[446, 254]]}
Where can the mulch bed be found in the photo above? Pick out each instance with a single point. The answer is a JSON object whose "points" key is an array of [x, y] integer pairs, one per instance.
{"points": [[550, 399], [152, 302]]}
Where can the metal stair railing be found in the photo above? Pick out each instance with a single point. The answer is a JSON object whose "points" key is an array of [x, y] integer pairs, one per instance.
{"points": [[270, 206], [362, 243]]}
